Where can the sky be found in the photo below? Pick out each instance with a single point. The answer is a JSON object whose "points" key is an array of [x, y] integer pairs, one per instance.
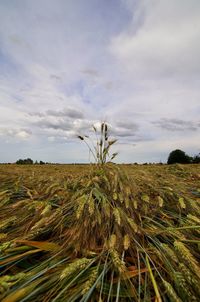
{"points": [[66, 65]]}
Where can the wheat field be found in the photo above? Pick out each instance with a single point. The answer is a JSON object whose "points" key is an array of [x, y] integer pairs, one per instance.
{"points": [[101, 232], [80, 233]]}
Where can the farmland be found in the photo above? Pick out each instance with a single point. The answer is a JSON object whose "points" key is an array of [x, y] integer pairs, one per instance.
{"points": [[99, 233]]}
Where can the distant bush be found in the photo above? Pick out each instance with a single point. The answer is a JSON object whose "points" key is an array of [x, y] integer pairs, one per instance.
{"points": [[27, 161], [196, 159], [179, 157]]}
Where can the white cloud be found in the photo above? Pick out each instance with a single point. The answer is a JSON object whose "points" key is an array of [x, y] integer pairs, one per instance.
{"points": [[23, 134], [19, 134], [166, 44]]}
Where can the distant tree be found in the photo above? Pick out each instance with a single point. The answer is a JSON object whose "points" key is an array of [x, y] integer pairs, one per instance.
{"points": [[19, 162], [196, 159], [39, 162], [27, 161], [179, 157]]}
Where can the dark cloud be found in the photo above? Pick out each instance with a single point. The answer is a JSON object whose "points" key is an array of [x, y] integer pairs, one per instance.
{"points": [[124, 128], [55, 77], [119, 132], [143, 138], [91, 72], [66, 112], [176, 124], [127, 125], [79, 126], [57, 124], [36, 114]]}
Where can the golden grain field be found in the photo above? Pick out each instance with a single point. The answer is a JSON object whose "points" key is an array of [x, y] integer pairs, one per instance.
{"points": [[90, 233]]}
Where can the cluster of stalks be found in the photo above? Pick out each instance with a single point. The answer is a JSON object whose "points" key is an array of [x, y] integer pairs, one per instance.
{"points": [[98, 239]]}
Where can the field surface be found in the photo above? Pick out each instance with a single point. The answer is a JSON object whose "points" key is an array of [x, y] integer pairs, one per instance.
{"points": [[186, 176], [79, 233]]}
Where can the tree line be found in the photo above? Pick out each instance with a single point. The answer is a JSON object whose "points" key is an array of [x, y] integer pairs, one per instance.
{"points": [[176, 156], [29, 161], [180, 157]]}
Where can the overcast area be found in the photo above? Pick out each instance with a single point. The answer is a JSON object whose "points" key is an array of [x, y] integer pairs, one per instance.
{"points": [[66, 65]]}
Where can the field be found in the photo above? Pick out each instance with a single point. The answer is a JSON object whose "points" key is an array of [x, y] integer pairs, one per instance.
{"points": [[99, 233]]}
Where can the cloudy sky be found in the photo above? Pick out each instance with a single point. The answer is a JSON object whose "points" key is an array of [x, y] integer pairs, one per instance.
{"points": [[68, 64]]}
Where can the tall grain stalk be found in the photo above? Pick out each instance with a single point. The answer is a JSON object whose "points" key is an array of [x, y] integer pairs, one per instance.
{"points": [[101, 150]]}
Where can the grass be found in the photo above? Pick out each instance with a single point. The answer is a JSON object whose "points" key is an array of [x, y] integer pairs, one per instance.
{"points": [[99, 232]]}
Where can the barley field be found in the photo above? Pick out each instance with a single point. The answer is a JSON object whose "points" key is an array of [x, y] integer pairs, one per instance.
{"points": [[92, 233]]}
